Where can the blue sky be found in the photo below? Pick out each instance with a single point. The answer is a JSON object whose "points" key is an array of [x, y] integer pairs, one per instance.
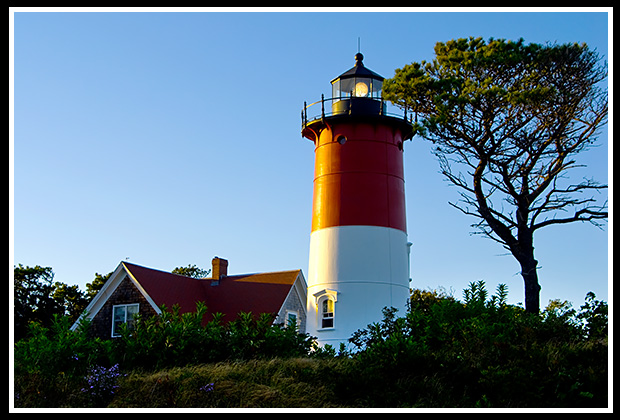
{"points": [[171, 137]]}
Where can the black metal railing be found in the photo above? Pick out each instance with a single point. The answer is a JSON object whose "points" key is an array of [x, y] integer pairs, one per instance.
{"points": [[344, 105]]}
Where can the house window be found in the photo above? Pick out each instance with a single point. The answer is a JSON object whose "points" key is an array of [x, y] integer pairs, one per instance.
{"points": [[123, 314], [291, 319], [327, 313]]}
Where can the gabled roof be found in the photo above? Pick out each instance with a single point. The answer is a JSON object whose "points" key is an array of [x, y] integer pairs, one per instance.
{"points": [[256, 293]]}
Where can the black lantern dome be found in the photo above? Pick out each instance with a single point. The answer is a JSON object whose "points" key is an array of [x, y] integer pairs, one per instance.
{"points": [[358, 81], [357, 90]]}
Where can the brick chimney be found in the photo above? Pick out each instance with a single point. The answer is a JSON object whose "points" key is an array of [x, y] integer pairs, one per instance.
{"points": [[220, 268]]}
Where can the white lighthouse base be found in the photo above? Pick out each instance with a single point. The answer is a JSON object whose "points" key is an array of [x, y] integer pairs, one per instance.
{"points": [[363, 269]]}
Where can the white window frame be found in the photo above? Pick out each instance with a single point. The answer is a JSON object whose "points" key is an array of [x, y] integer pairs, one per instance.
{"points": [[327, 316], [320, 297], [113, 333]]}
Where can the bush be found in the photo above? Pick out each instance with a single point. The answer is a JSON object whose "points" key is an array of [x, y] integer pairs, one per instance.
{"points": [[174, 339], [481, 352], [57, 366], [51, 362], [594, 315]]}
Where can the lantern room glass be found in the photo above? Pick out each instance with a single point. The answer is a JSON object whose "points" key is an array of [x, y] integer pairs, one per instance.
{"points": [[362, 87]]}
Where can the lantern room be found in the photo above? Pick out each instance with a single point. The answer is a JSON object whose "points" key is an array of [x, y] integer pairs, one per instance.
{"points": [[357, 90], [358, 82]]}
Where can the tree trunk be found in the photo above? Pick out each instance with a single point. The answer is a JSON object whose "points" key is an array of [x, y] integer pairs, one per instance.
{"points": [[532, 288]]}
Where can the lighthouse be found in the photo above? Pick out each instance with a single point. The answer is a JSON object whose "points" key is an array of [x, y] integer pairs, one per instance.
{"points": [[359, 250]]}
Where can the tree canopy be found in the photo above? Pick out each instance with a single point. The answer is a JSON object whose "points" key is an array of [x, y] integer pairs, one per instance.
{"points": [[508, 120], [37, 298], [193, 271]]}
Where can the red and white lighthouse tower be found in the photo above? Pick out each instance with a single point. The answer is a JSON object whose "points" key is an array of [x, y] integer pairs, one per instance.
{"points": [[359, 253]]}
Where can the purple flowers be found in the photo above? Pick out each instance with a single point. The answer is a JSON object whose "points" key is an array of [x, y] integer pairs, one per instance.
{"points": [[207, 388], [102, 382]]}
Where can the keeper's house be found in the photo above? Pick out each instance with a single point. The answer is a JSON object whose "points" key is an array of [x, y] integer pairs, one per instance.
{"points": [[133, 289]]}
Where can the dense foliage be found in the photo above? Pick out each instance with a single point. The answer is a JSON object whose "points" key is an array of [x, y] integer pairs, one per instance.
{"points": [[174, 339], [37, 297], [478, 352], [483, 352], [509, 122]]}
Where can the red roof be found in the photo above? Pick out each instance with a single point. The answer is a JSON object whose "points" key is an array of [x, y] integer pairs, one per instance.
{"points": [[256, 293]]}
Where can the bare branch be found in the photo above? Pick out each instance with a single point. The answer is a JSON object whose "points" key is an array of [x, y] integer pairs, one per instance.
{"points": [[583, 215]]}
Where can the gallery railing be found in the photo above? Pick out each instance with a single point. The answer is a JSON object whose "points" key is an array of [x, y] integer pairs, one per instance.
{"points": [[350, 105]]}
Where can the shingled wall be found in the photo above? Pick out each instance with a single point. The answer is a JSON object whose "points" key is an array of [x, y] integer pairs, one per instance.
{"points": [[125, 293]]}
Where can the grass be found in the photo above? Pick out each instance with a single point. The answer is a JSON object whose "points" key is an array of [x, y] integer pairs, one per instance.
{"points": [[295, 382]]}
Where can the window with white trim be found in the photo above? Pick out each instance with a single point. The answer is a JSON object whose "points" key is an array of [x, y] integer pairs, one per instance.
{"points": [[123, 314], [325, 301], [327, 312]]}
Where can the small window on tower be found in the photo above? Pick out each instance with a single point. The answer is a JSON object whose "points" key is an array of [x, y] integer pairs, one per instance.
{"points": [[327, 313], [325, 301]]}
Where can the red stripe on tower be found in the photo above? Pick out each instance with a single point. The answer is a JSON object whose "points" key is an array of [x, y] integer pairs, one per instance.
{"points": [[360, 182]]}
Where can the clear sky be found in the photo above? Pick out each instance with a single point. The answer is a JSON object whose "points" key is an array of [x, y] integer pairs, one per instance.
{"points": [[168, 138]]}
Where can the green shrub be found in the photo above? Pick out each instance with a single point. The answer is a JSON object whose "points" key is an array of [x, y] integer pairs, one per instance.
{"points": [[174, 339], [594, 315], [47, 351], [481, 352], [51, 362]]}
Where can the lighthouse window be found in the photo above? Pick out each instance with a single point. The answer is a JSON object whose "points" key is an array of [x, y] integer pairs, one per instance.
{"points": [[327, 313], [336, 89], [376, 88], [347, 86]]}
